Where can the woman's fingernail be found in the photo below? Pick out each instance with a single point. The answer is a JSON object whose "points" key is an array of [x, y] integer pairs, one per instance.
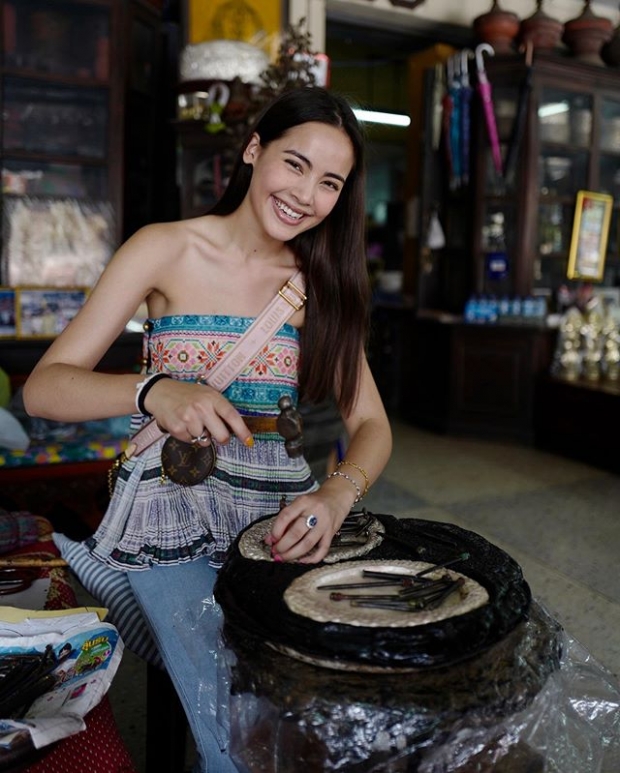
{"points": [[249, 442], [277, 557], [268, 539]]}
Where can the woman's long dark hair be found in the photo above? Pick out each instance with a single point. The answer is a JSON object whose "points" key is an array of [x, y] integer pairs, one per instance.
{"points": [[332, 255]]}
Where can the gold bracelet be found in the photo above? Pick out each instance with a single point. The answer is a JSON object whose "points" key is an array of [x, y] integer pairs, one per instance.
{"points": [[362, 470], [338, 474]]}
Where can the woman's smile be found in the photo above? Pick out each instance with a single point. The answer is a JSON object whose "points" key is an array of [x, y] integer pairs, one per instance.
{"points": [[287, 213]]}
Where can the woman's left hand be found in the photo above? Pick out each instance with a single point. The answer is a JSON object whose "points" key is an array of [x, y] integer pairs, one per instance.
{"points": [[303, 531]]}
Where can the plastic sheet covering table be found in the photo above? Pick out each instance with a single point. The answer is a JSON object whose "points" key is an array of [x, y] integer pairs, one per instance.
{"points": [[97, 749], [320, 690], [287, 715]]}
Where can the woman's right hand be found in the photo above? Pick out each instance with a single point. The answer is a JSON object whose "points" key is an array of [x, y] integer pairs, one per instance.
{"points": [[188, 410]]}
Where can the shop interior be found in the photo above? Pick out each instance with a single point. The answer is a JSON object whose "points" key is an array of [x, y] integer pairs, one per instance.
{"points": [[495, 344], [470, 267]]}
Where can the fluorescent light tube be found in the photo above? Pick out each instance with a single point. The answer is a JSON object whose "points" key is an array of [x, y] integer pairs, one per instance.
{"points": [[553, 108], [389, 119]]}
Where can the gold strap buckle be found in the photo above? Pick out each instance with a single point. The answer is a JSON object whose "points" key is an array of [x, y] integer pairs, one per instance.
{"points": [[298, 298]]}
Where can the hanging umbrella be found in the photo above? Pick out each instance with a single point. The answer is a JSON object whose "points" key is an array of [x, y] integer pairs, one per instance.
{"points": [[484, 89], [519, 122], [466, 94], [447, 119], [455, 122], [438, 91]]}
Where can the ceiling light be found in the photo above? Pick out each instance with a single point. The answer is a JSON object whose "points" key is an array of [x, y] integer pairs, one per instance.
{"points": [[389, 119], [553, 108]]}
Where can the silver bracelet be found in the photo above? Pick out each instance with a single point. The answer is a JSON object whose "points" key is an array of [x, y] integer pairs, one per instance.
{"points": [[338, 474]]}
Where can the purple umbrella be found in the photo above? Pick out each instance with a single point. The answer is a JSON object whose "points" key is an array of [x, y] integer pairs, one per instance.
{"points": [[484, 89]]}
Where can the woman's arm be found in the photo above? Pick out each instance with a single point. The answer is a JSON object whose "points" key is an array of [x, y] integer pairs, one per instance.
{"points": [[64, 386], [369, 449]]}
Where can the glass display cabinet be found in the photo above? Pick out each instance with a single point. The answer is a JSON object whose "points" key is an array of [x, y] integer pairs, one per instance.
{"points": [[60, 135], [79, 100], [509, 234], [569, 141]]}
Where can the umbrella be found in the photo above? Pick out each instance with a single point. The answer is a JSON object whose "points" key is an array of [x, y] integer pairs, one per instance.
{"points": [[439, 89], [454, 86], [447, 118], [484, 89], [519, 122], [466, 93]]}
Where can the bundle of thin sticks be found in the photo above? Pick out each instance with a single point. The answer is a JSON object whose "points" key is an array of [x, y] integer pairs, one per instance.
{"points": [[23, 678]]}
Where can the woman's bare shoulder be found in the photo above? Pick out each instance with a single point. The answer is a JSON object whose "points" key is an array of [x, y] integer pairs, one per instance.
{"points": [[158, 243], [162, 235]]}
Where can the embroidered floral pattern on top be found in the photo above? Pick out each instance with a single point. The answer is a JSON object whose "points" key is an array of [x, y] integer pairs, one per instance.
{"points": [[182, 347]]}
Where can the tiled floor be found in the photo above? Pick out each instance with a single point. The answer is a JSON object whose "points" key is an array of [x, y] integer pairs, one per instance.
{"points": [[558, 518]]}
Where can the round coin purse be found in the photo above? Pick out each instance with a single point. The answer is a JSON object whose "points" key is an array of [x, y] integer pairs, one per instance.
{"points": [[187, 463]]}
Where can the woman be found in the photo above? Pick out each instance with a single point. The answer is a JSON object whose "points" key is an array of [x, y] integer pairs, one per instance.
{"points": [[295, 201]]}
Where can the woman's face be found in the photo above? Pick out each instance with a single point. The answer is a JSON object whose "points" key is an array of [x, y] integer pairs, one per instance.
{"points": [[298, 178]]}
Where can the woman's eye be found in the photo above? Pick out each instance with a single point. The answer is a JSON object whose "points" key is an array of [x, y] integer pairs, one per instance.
{"points": [[294, 164], [334, 186]]}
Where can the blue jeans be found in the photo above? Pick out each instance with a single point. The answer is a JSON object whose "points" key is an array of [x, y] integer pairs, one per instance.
{"points": [[177, 601]]}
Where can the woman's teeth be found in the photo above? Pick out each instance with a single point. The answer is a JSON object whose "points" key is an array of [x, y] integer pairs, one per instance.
{"points": [[288, 211]]}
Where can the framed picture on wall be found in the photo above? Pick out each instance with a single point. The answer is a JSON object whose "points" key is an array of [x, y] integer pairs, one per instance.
{"points": [[588, 247], [251, 21], [8, 319], [44, 312]]}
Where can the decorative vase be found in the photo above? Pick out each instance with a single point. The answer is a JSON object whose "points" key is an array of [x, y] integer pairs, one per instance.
{"points": [[543, 32], [586, 34], [497, 27]]}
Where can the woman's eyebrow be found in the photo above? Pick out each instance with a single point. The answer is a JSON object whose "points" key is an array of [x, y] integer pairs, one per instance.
{"points": [[308, 163]]}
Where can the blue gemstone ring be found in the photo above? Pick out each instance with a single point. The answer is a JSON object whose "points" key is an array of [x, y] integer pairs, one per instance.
{"points": [[311, 521]]}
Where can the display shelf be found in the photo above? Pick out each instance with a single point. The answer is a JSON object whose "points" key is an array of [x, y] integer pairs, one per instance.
{"points": [[66, 109], [569, 144]]}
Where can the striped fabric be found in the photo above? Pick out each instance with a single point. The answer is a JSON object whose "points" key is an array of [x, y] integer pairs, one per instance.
{"points": [[111, 589]]}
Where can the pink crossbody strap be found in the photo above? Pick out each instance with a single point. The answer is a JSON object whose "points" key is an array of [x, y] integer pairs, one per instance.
{"points": [[289, 299]]}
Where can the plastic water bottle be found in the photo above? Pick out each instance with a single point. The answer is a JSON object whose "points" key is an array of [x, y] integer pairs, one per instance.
{"points": [[528, 309], [503, 309], [471, 309]]}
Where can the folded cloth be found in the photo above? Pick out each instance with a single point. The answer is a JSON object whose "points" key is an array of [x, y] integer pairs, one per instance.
{"points": [[112, 590]]}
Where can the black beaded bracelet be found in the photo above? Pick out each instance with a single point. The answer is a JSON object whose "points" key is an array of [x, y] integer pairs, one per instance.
{"points": [[143, 389]]}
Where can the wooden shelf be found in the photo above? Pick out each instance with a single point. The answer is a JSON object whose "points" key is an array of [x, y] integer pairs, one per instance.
{"points": [[60, 80]]}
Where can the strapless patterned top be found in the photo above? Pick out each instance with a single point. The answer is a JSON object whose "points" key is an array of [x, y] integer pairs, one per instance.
{"points": [[152, 520], [187, 347]]}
